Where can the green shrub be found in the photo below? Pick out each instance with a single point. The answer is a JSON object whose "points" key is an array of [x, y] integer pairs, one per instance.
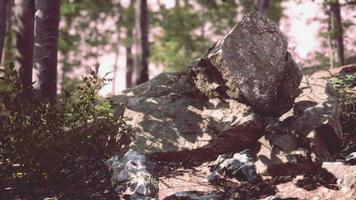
{"points": [[56, 141], [343, 88]]}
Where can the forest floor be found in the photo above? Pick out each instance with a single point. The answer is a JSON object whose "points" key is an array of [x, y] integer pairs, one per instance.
{"points": [[322, 185], [184, 177]]}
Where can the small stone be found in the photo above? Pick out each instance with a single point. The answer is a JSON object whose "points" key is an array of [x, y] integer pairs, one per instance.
{"points": [[240, 165], [351, 158]]}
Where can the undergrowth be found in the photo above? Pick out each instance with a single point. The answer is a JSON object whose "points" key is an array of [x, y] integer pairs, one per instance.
{"points": [[56, 144], [343, 89]]}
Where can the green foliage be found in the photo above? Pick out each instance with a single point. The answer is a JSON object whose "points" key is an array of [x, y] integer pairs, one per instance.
{"points": [[276, 11], [343, 87], [248, 6], [184, 38], [56, 140]]}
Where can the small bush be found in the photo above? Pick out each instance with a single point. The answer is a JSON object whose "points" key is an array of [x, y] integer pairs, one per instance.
{"points": [[57, 142], [343, 88]]}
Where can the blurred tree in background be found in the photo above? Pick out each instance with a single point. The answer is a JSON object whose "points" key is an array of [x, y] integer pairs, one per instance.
{"points": [[24, 12], [269, 8]]}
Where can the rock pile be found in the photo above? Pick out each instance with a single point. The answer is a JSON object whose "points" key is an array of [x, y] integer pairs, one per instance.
{"points": [[133, 176], [245, 92]]}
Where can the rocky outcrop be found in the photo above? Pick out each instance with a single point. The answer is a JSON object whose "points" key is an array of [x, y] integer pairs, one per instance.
{"points": [[251, 64], [169, 116], [245, 87]]}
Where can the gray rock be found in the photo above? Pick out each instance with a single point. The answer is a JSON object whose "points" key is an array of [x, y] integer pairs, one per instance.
{"points": [[317, 146], [240, 165], [289, 87], [132, 176], [279, 135], [273, 197], [251, 63], [195, 195], [315, 120], [351, 158], [322, 118], [172, 120], [274, 161]]}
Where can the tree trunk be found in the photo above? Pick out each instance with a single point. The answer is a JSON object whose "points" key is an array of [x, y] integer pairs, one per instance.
{"points": [[263, 6], [129, 67], [130, 16], [24, 15], [46, 46], [3, 6], [142, 45], [6, 53], [116, 65], [336, 35]]}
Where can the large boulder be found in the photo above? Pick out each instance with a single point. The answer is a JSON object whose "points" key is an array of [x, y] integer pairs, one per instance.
{"points": [[172, 120], [250, 64]]}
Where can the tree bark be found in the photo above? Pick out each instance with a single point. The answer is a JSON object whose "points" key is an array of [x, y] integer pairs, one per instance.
{"points": [[7, 41], [46, 46], [142, 45], [117, 50], [336, 34], [129, 67], [3, 8], [7, 54], [116, 65], [24, 15]]}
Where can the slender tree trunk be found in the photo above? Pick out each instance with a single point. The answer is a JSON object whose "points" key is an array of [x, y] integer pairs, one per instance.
{"points": [[336, 34], [24, 15], [6, 55], [116, 65], [129, 67], [263, 6], [129, 44], [3, 8], [142, 45], [117, 49], [46, 46]]}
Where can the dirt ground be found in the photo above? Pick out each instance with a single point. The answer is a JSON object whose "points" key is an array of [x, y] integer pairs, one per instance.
{"points": [[317, 186]]}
